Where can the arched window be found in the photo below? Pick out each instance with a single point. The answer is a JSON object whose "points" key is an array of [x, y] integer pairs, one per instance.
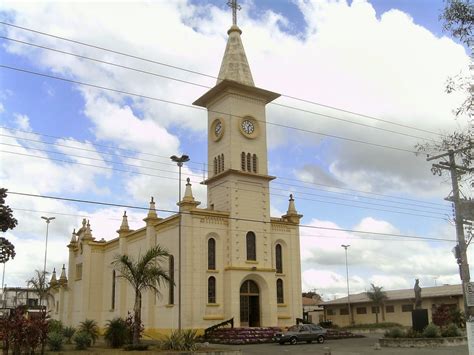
{"points": [[219, 163], [215, 166], [254, 163], [251, 247], [222, 162], [278, 259], [280, 298], [242, 161], [211, 290], [249, 162], [211, 254], [171, 282]]}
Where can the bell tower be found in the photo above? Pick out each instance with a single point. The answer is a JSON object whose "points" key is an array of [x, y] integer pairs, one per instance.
{"points": [[238, 180]]}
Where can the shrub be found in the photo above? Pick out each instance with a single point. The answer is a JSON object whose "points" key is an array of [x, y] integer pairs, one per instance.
{"points": [[373, 325], [431, 331], [394, 333], [117, 332], [89, 326], [55, 341], [82, 340], [55, 326], [451, 331], [410, 333], [442, 315], [68, 332], [184, 340]]}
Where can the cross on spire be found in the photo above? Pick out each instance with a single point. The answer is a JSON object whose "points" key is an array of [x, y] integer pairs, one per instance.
{"points": [[235, 6]]}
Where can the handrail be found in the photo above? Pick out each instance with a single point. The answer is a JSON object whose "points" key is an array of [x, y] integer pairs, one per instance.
{"points": [[212, 328]]}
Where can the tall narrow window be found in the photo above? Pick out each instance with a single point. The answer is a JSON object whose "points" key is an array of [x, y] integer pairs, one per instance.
{"points": [[113, 289], [278, 259], [251, 247], [242, 161], [254, 163], [211, 254], [171, 282], [219, 163], [211, 290], [215, 166], [249, 162], [222, 162], [280, 298]]}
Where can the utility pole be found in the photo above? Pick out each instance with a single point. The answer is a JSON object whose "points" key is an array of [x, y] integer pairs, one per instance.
{"points": [[461, 248]]}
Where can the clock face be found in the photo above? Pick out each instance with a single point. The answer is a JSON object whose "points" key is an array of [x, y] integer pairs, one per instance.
{"points": [[218, 128], [248, 126]]}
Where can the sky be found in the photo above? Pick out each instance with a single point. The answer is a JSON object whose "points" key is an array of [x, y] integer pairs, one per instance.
{"points": [[362, 83]]}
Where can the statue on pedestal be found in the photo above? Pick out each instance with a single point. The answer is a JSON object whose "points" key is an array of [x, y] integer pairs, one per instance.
{"points": [[417, 290]]}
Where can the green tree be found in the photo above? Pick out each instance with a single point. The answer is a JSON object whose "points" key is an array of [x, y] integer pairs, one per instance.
{"points": [[458, 21], [90, 327], [7, 221], [378, 297], [40, 286], [142, 274]]}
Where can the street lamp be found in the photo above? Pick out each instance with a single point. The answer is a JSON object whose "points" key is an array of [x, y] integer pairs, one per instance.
{"points": [[179, 161], [347, 278], [47, 219]]}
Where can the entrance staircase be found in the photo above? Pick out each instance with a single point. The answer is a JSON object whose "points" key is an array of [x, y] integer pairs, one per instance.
{"points": [[239, 336]]}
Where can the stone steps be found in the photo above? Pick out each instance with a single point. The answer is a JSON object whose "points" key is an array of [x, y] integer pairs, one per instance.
{"points": [[238, 336]]}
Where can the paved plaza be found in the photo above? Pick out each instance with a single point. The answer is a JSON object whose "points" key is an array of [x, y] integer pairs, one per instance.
{"points": [[359, 346]]}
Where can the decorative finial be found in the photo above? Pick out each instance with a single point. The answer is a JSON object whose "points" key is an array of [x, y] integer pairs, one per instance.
{"points": [[125, 213], [291, 197], [188, 180], [152, 200], [235, 6]]}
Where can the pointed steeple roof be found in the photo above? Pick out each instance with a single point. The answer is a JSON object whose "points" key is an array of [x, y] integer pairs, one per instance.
{"points": [[63, 278], [53, 281], [124, 225], [234, 64], [188, 201], [292, 215]]}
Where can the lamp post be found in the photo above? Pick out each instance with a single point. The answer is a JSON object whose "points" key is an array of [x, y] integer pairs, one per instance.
{"points": [[48, 220], [179, 161], [347, 279]]}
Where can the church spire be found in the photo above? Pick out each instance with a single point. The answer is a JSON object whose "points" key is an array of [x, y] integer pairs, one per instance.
{"points": [[234, 63]]}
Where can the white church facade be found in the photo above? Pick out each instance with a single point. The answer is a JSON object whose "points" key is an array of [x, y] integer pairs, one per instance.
{"points": [[236, 260]]}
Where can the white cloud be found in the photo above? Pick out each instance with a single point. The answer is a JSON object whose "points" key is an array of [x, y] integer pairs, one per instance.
{"points": [[390, 262], [22, 121]]}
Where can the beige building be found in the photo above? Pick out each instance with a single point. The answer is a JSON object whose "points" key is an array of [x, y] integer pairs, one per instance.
{"points": [[397, 308], [237, 261]]}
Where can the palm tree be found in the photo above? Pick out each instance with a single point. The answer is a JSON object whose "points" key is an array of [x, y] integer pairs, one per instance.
{"points": [[142, 274], [90, 327], [40, 286], [378, 297]]}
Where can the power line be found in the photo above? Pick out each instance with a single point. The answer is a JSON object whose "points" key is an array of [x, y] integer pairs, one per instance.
{"points": [[217, 228], [208, 87], [202, 163], [209, 76], [305, 199], [202, 109], [195, 175], [232, 218]]}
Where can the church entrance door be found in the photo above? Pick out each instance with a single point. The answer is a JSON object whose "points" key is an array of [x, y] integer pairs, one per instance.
{"points": [[249, 304]]}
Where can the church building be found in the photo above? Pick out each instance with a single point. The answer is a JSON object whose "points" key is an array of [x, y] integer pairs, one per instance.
{"points": [[237, 261]]}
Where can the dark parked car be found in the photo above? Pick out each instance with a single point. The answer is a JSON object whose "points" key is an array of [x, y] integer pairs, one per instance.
{"points": [[301, 332]]}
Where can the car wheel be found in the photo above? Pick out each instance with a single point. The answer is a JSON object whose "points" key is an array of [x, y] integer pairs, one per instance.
{"points": [[293, 341], [320, 339]]}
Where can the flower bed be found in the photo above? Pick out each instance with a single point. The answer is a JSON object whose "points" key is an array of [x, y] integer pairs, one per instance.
{"points": [[421, 342]]}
